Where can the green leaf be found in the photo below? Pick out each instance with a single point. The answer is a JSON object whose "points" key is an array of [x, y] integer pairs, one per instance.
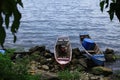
{"points": [[15, 38], [1, 19], [111, 14], [107, 3], [7, 21], [117, 11], [16, 22], [6, 7], [2, 36], [17, 16], [20, 3], [9, 8], [111, 11], [102, 5], [113, 1]]}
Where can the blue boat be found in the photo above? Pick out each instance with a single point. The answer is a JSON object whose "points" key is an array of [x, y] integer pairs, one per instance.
{"points": [[92, 50]]}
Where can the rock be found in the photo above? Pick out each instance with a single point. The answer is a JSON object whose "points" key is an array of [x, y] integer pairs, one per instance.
{"points": [[109, 51], [72, 67], [75, 61], [36, 52], [39, 67], [110, 57], [82, 62], [32, 62], [49, 76], [53, 78], [56, 67], [99, 70], [20, 49], [37, 48], [43, 61], [94, 78], [48, 51], [84, 76], [45, 67], [76, 52], [49, 61], [47, 55]]}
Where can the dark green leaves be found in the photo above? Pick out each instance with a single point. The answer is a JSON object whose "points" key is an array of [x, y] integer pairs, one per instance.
{"points": [[2, 36], [1, 19], [114, 7], [15, 38], [2, 32], [20, 3], [8, 8], [16, 22], [113, 1], [112, 10], [7, 21], [102, 5], [117, 10], [107, 3]]}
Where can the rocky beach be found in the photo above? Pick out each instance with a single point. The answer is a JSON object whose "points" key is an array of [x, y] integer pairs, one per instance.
{"points": [[41, 61]]}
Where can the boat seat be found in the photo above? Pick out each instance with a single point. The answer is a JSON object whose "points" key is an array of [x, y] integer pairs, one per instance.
{"points": [[91, 51]]}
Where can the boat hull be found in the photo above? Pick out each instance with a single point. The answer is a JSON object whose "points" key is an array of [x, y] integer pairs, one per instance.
{"points": [[63, 50], [92, 50]]}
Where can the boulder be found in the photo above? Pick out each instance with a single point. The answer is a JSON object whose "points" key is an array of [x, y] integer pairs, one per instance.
{"points": [[75, 61], [37, 48], [82, 62], [110, 57], [99, 70], [48, 51], [45, 67], [109, 51], [49, 76], [76, 53], [47, 55]]}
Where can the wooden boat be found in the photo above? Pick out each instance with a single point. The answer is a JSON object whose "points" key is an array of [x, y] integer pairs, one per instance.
{"points": [[63, 50], [92, 50]]}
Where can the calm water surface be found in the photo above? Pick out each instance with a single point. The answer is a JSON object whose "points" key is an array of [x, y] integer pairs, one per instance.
{"points": [[44, 20]]}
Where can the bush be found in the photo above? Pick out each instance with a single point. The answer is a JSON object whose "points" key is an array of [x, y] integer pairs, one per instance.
{"points": [[12, 71]]}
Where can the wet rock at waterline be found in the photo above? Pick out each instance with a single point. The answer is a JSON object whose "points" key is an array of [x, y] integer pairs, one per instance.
{"points": [[109, 51], [99, 70], [76, 53], [37, 48], [110, 55]]}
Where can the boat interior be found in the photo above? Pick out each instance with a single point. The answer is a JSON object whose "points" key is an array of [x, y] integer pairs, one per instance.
{"points": [[63, 49], [95, 50]]}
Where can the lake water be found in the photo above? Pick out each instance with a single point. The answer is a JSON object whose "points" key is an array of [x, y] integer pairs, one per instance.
{"points": [[44, 20]]}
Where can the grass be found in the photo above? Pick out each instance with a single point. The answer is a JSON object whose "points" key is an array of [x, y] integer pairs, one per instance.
{"points": [[68, 75]]}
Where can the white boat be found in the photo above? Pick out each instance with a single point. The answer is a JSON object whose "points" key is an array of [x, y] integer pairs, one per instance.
{"points": [[63, 50]]}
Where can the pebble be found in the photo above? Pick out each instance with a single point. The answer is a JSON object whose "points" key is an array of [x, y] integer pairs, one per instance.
{"points": [[45, 67]]}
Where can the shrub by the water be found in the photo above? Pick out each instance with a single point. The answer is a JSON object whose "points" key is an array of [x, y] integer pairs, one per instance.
{"points": [[10, 70]]}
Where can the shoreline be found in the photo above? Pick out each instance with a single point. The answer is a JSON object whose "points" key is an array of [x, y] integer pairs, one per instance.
{"points": [[42, 60]]}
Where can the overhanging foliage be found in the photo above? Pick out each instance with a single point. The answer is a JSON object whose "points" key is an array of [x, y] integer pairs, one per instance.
{"points": [[114, 7], [8, 8]]}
